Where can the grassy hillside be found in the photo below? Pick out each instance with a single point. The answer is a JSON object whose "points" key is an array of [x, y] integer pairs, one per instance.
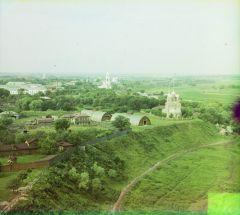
{"points": [[183, 184], [142, 149], [129, 156]]}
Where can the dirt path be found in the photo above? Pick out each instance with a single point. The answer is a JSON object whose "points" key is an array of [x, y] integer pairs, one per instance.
{"points": [[125, 190]]}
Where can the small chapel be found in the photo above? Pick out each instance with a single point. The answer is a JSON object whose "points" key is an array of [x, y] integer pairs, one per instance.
{"points": [[172, 107]]}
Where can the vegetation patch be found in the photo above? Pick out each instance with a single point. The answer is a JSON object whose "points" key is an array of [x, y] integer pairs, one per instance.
{"points": [[92, 179]]}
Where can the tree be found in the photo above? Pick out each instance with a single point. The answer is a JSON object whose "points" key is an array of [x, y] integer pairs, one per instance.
{"points": [[84, 181], [6, 136], [5, 122], [62, 124], [112, 173], [98, 170], [73, 174], [48, 146], [36, 105], [23, 103], [4, 93], [121, 122], [96, 184]]}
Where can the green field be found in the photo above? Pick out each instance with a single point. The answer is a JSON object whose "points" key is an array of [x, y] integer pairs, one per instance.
{"points": [[218, 90], [183, 184], [5, 193]]}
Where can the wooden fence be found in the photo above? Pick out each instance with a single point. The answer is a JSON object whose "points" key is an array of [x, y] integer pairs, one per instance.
{"points": [[67, 153], [54, 159], [33, 165]]}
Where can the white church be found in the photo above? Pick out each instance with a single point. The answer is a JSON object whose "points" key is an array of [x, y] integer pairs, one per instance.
{"points": [[106, 84], [172, 106]]}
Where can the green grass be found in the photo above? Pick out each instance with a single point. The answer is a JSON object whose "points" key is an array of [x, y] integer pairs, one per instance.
{"points": [[184, 184], [139, 151], [5, 193], [144, 147], [24, 158], [204, 92]]}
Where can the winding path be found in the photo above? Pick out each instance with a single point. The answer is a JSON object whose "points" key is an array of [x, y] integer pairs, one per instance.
{"points": [[125, 190]]}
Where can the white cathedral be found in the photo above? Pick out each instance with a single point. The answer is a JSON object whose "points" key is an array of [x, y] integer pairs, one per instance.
{"points": [[172, 106], [106, 84]]}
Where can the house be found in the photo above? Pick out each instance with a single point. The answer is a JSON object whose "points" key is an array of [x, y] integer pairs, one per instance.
{"points": [[64, 145], [78, 118], [11, 114], [137, 120], [15, 87], [45, 120], [82, 119], [29, 147], [97, 116]]}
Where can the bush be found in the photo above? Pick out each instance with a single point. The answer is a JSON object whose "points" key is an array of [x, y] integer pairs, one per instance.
{"points": [[84, 181], [121, 122], [112, 173], [62, 124], [48, 146]]}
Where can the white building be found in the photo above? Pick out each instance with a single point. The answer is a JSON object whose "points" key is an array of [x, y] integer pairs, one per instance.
{"points": [[172, 106], [106, 84], [28, 88]]}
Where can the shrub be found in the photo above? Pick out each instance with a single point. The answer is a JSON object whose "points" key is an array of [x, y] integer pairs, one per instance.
{"points": [[62, 124], [121, 122], [112, 173], [84, 181]]}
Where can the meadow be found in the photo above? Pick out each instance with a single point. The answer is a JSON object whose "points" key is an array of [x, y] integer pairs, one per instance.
{"points": [[184, 184]]}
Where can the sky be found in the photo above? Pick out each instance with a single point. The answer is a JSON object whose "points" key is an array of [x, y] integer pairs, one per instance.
{"points": [[122, 37]]}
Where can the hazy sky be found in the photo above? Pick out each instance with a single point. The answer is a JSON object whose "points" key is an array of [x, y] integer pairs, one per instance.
{"points": [[155, 37]]}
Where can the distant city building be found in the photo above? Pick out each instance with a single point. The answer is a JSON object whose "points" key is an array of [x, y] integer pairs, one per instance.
{"points": [[115, 80], [15, 87], [148, 95], [172, 106], [71, 83], [11, 114], [106, 84]]}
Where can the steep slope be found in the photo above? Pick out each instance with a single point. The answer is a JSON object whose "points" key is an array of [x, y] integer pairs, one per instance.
{"points": [[127, 156]]}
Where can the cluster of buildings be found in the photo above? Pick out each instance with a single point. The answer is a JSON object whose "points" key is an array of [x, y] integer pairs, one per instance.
{"points": [[27, 88], [86, 117]]}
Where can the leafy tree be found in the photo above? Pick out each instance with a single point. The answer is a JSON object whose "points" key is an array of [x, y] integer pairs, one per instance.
{"points": [[48, 146], [21, 91], [96, 184], [36, 105], [23, 103], [4, 93], [73, 174], [84, 181], [6, 136], [62, 124], [112, 173], [5, 122], [98, 170], [121, 122]]}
